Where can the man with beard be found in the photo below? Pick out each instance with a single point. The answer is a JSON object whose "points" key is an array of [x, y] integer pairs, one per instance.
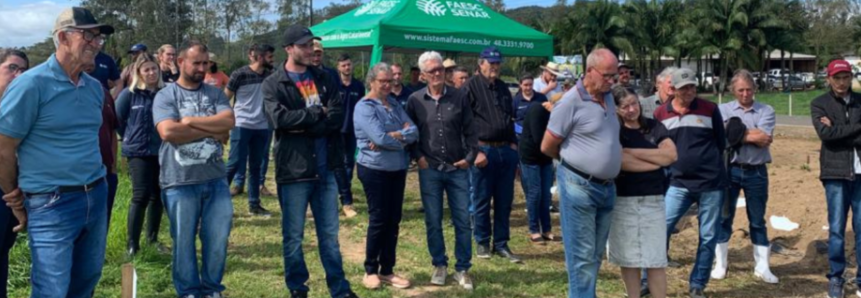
{"points": [[57, 108], [306, 112], [399, 91], [351, 91], [191, 117], [249, 137]]}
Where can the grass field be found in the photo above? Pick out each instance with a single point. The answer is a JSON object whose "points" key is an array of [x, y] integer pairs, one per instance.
{"points": [[780, 101], [255, 264]]}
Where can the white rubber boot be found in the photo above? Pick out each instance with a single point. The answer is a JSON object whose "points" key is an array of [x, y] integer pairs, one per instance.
{"points": [[721, 252], [762, 271]]}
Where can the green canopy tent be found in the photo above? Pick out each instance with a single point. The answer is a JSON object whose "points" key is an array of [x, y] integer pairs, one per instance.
{"points": [[441, 25]]}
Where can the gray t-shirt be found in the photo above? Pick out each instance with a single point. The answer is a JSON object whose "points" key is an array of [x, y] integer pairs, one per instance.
{"points": [[194, 162], [247, 86], [590, 133]]}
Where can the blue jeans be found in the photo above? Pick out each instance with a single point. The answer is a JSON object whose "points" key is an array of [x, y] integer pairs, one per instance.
{"points": [[537, 181], [456, 187], [678, 201], [754, 182], [294, 199], [344, 177], [206, 206], [68, 234], [841, 196], [494, 182], [585, 213], [248, 146]]}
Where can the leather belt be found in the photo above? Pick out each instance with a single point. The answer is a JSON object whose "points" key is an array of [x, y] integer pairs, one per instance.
{"points": [[588, 177], [74, 188]]}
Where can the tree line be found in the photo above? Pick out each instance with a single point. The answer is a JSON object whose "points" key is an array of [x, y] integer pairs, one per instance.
{"points": [[737, 33]]}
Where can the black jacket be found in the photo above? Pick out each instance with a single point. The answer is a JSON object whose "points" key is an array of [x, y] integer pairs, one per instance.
{"points": [[297, 126], [840, 140]]}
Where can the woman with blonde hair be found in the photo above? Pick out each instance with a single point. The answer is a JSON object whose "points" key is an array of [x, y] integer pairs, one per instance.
{"points": [[141, 143]]}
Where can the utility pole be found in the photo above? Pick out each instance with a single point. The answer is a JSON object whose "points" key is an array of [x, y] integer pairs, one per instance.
{"points": [[310, 13]]}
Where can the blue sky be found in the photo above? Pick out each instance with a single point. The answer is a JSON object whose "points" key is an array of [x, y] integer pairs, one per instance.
{"points": [[25, 22]]}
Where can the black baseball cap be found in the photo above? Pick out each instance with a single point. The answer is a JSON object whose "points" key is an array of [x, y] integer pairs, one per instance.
{"points": [[298, 34], [80, 18]]}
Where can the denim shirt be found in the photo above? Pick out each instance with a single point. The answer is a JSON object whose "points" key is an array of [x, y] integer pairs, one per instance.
{"points": [[372, 122]]}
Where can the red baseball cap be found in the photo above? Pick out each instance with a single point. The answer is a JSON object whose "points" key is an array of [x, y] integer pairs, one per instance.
{"points": [[838, 66]]}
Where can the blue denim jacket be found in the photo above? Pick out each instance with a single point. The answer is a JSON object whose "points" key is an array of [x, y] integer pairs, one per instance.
{"points": [[372, 123]]}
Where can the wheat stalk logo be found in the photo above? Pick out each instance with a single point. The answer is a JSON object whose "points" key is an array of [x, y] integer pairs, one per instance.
{"points": [[431, 7]]}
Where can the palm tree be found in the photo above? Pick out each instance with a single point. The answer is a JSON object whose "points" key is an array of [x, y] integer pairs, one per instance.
{"points": [[721, 24], [652, 26], [597, 24]]}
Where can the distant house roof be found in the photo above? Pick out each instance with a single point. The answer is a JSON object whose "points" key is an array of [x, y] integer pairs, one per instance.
{"points": [[795, 56]]}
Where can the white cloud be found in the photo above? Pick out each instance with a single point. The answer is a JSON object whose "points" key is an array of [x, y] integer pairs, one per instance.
{"points": [[28, 23]]}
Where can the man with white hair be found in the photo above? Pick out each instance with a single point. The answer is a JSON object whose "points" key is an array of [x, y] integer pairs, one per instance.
{"points": [[444, 117], [68, 239], [648, 105], [583, 134], [492, 178]]}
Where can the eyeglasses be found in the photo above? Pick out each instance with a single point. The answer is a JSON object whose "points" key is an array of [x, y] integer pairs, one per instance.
{"points": [[607, 76], [16, 68], [89, 36], [437, 70]]}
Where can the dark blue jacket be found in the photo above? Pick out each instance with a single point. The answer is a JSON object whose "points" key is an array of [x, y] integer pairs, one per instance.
{"points": [[134, 114], [521, 106]]}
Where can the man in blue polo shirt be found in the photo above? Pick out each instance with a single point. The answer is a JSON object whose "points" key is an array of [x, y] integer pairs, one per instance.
{"points": [[699, 175], [67, 240]]}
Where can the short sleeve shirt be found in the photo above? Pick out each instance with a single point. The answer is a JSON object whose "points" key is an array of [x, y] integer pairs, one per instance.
{"points": [[106, 69], [194, 162], [650, 183], [590, 133], [58, 124]]}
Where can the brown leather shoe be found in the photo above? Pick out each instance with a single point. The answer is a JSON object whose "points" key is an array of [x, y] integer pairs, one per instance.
{"points": [[237, 190], [265, 192]]}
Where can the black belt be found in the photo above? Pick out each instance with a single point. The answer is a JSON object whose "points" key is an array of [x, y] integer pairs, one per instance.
{"points": [[745, 166], [74, 188], [588, 177]]}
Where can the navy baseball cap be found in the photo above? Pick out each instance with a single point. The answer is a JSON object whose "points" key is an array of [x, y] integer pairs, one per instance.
{"points": [[138, 48], [491, 54]]}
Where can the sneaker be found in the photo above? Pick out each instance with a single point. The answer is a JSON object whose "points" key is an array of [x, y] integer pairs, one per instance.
{"points": [[395, 281], [482, 251], [298, 294], [697, 293], [463, 279], [349, 212], [259, 211], [237, 190], [439, 275], [835, 288], [213, 295], [371, 281], [265, 192], [506, 253]]}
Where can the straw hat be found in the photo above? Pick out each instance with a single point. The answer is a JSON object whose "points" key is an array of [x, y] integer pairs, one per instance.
{"points": [[553, 68], [448, 63]]}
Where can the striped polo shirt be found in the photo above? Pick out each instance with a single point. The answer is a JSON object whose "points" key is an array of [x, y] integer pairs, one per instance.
{"points": [[700, 139]]}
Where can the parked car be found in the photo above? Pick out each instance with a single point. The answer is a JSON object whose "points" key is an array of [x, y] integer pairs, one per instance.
{"points": [[807, 77], [792, 82], [777, 72]]}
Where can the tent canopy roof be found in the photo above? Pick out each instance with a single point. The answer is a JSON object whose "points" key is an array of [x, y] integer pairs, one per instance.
{"points": [[442, 25]]}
